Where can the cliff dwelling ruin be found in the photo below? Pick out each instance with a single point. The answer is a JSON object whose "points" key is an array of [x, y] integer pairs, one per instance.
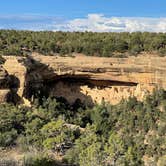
{"points": [[90, 80]]}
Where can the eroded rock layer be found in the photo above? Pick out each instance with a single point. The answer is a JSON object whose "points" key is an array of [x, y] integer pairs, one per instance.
{"points": [[5, 85], [90, 79]]}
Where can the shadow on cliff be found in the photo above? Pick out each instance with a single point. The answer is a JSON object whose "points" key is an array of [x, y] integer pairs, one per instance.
{"points": [[43, 81], [14, 85]]}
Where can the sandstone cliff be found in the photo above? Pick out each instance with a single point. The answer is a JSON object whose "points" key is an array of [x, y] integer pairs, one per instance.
{"points": [[91, 79], [4, 87]]}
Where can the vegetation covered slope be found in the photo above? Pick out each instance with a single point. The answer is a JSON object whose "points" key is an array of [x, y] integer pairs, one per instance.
{"points": [[99, 44], [130, 133]]}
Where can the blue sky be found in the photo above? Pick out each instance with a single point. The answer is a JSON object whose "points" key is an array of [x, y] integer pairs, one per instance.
{"points": [[81, 15]]}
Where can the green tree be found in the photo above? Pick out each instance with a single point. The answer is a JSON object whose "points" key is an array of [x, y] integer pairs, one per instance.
{"points": [[56, 135], [115, 149]]}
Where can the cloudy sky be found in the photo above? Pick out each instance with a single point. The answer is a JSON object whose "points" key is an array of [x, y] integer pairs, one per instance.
{"points": [[84, 15]]}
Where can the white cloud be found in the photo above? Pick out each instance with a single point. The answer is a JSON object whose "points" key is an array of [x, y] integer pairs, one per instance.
{"points": [[93, 22], [100, 23]]}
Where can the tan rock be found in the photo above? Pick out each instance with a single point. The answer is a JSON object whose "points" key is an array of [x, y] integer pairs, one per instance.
{"points": [[4, 95], [18, 70], [90, 79]]}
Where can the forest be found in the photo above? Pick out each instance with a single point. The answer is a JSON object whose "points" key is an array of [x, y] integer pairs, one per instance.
{"points": [[124, 44], [127, 134], [53, 132]]}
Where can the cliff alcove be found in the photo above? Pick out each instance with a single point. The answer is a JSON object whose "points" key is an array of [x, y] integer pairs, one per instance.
{"points": [[90, 79], [89, 91]]}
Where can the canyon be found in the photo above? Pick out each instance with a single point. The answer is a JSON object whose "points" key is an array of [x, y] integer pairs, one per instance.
{"points": [[79, 77]]}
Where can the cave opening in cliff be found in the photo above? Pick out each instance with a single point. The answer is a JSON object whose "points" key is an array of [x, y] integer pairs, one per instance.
{"points": [[86, 80], [88, 90], [84, 88]]}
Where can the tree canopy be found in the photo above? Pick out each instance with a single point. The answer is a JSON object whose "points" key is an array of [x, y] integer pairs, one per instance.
{"points": [[14, 42], [103, 135]]}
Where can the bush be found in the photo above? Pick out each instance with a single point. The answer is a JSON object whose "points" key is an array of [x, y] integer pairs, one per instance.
{"points": [[39, 160], [8, 138]]}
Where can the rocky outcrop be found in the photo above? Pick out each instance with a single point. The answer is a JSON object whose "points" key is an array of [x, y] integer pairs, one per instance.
{"points": [[4, 85], [13, 65], [90, 79]]}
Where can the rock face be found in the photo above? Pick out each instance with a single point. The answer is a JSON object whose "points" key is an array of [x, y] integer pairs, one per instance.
{"points": [[4, 85], [90, 79], [17, 72], [15, 68]]}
